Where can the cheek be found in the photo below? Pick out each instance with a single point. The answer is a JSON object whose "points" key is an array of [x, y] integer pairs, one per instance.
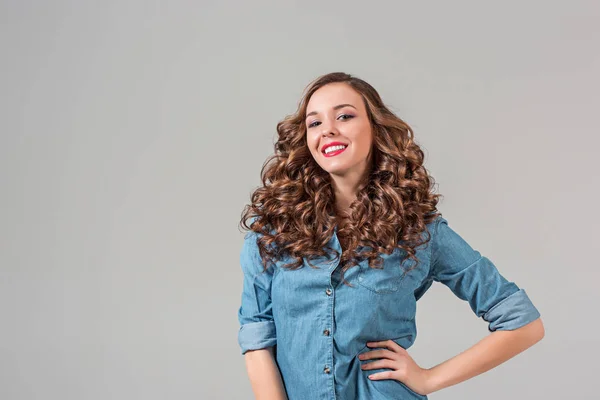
{"points": [[364, 142], [312, 145]]}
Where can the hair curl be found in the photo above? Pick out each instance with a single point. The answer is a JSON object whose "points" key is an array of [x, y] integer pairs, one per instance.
{"points": [[294, 209]]}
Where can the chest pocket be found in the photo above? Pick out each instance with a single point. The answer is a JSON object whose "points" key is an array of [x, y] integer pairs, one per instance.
{"points": [[382, 281]]}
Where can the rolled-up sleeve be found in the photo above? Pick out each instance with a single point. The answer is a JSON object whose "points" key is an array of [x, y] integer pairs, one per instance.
{"points": [[257, 328], [474, 278]]}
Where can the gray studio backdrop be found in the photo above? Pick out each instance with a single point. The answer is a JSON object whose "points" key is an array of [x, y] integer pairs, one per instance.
{"points": [[133, 132]]}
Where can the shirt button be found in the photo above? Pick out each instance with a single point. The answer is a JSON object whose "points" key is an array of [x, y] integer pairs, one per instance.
{"points": [[326, 370], [328, 292], [326, 332]]}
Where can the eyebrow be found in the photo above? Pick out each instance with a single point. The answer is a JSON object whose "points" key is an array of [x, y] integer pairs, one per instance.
{"points": [[335, 108]]}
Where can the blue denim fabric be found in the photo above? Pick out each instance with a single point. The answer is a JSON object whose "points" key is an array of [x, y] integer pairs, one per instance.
{"points": [[293, 310]]}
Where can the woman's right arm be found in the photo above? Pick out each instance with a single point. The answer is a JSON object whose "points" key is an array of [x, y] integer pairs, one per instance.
{"points": [[264, 375], [257, 335]]}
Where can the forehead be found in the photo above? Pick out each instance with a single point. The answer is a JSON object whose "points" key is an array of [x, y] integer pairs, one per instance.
{"points": [[333, 94]]}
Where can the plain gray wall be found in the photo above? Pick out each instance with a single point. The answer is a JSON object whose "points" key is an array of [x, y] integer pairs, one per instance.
{"points": [[133, 134]]}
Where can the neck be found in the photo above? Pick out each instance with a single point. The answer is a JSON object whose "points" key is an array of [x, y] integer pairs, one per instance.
{"points": [[345, 189]]}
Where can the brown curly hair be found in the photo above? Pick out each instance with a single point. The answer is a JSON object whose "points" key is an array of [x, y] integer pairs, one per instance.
{"points": [[294, 210]]}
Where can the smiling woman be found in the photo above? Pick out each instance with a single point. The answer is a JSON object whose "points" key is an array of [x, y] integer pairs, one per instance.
{"points": [[340, 136], [344, 238]]}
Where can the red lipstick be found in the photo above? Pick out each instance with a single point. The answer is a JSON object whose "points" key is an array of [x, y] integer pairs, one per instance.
{"points": [[335, 152]]}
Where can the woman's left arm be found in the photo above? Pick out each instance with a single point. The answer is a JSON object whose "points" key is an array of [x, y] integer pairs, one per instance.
{"points": [[513, 319], [491, 351]]}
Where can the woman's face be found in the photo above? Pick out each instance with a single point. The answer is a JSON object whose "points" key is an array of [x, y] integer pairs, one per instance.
{"points": [[338, 130]]}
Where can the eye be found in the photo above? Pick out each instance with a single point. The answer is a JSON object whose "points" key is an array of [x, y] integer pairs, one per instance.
{"points": [[342, 116]]}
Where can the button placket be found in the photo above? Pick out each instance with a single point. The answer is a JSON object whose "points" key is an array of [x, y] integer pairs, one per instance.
{"points": [[328, 327]]}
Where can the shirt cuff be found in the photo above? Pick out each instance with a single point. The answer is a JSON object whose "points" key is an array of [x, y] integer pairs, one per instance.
{"points": [[511, 313], [257, 335]]}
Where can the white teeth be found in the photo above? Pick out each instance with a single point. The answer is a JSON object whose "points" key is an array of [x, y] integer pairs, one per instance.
{"points": [[334, 148]]}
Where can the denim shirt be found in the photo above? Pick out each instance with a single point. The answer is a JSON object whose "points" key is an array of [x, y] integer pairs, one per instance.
{"points": [[320, 325]]}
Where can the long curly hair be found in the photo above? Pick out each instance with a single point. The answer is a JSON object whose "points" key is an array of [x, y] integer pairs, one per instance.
{"points": [[294, 210]]}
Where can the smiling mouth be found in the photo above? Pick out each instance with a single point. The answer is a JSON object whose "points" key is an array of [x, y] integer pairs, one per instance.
{"points": [[334, 150]]}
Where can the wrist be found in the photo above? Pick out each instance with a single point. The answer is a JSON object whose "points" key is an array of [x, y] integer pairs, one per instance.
{"points": [[431, 380]]}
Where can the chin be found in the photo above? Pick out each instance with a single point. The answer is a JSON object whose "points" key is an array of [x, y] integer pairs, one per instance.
{"points": [[336, 171]]}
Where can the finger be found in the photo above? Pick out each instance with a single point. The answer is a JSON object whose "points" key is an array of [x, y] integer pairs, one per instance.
{"points": [[369, 355], [385, 363], [388, 344], [382, 375]]}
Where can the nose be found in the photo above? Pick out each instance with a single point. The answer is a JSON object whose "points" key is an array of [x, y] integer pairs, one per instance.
{"points": [[328, 130]]}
